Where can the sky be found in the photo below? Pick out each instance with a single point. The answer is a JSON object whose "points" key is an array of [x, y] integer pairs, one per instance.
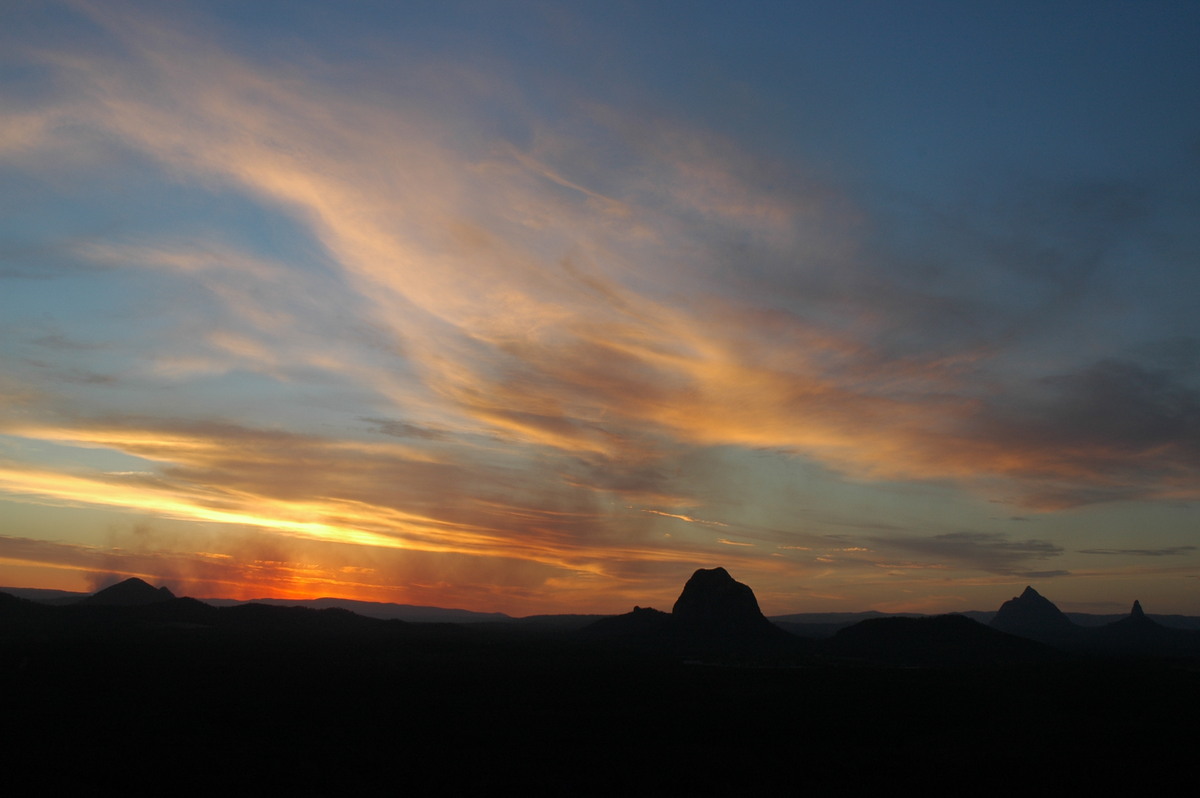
{"points": [[537, 307]]}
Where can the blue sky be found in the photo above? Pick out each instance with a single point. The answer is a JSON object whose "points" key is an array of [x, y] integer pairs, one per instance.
{"points": [[538, 307]]}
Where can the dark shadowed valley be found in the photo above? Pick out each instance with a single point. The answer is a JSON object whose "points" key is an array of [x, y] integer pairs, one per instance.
{"points": [[136, 689]]}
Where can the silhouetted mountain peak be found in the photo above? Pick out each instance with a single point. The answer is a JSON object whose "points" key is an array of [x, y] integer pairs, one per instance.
{"points": [[133, 592], [1138, 635], [1033, 616], [714, 617], [1136, 619], [713, 600]]}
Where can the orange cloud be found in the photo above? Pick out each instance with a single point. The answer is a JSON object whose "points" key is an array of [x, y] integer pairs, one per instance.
{"points": [[559, 330]]}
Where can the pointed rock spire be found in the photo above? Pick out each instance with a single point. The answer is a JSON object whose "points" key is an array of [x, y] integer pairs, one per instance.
{"points": [[1136, 612]]}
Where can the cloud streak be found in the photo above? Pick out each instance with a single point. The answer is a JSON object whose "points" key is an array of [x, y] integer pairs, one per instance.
{"points": [[983, 551], [479, 302]]}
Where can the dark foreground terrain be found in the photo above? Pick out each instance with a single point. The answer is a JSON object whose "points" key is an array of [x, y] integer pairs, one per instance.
{"points": [[180, 698]]}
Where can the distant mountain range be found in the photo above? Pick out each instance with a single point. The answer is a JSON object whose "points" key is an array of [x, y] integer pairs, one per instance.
{"points": [[711, 698], [808, 624], [126, 591], [134, 686], [714, 617], [1033, 617]]}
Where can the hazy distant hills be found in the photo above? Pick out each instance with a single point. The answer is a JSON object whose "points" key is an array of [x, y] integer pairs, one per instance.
{"points": [[371, 609], [129, 591]]}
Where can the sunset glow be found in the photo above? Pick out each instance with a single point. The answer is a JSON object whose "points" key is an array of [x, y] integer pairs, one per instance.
{"points": [[529, 308]]}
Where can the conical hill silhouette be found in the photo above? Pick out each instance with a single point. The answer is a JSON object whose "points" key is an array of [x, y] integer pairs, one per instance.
{"points": [[1139, 635], [1032, 616], [133, 592]]}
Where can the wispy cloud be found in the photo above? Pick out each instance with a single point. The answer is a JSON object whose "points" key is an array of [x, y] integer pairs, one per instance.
{"points": [[493, 332], [687, 518], [456, 256], [982, 551]]}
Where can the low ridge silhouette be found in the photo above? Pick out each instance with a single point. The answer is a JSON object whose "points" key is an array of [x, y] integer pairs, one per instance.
{"points": [[939, 640]]}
